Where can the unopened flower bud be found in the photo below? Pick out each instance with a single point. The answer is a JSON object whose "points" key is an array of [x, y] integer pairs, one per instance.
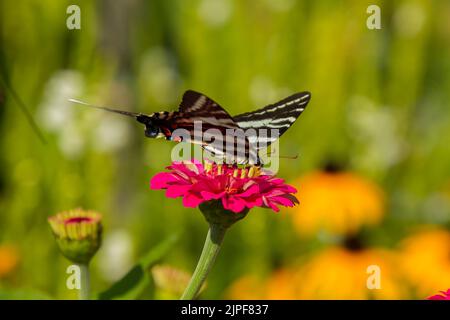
{"points": [[78, 234]]}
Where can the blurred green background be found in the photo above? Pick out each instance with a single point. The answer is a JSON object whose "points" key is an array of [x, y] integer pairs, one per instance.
{"points": [[379, 109]]}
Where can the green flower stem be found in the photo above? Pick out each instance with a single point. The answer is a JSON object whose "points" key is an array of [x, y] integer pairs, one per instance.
{"points": [[211, 248], [85, 280]]}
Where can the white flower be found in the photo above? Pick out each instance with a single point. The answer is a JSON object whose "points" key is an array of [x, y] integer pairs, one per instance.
{"points": [[55, 111], [376, 133], [115, 258], [158, 78], [215, 12], [409, 19]]}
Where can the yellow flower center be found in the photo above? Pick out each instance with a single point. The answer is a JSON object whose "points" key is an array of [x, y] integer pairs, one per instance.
{"points": [[219, 169]]}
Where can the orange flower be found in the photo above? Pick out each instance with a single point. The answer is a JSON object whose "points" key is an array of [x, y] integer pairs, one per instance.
{"points": [[9, 259], [280, 285], [339, 273], [337, 202], [248, 287], [335, 273], [425, 260]]}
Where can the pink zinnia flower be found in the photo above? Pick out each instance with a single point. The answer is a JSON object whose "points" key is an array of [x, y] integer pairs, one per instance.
{"points": [[444, 295], [237, 189]]}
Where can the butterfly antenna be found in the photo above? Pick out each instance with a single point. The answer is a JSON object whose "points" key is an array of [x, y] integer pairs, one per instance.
{"points": [[126, 113]]}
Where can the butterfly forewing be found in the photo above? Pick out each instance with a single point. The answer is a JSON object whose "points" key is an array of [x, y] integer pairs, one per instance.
{"points": [[197, 107]]}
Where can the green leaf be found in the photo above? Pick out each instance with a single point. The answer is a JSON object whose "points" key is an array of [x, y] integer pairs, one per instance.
{"points": [[137, 279]]}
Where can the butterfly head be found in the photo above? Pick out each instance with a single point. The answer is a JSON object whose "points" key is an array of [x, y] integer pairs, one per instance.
{"points": [[151, 129]]}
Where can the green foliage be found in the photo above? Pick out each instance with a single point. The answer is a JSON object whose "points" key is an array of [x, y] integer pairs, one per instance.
{"points": [[137, 279], [19, 294]]}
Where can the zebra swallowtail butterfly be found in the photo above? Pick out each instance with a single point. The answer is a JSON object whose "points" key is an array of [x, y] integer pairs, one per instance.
{"points": [[198, 108]]}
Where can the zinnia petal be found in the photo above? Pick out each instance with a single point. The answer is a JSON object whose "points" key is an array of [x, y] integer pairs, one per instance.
{"points": [[159, 181], [192, 200], [444, 295], [252, 190], [237, 191], [233, 204], [177, 191], [207, 195], [283, 201]]}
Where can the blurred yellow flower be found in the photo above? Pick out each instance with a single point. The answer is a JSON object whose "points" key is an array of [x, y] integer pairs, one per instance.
{"points": [[282, 285], [335, 273], [248, 287], [339, 273], [337, 202], [9, 259], [425, 259]]}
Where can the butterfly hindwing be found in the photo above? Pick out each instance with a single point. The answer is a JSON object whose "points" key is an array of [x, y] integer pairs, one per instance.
{"points": [[280, 115], [270, 122]]}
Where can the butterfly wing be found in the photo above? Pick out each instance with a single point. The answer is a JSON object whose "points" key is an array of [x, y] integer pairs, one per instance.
{"points": [[279, 116], [198, 107]]}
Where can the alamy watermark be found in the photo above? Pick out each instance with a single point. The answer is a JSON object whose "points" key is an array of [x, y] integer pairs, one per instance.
{"points": [[73, 281], [73, 21], [234, 146], [374, 279], [374, 20]]}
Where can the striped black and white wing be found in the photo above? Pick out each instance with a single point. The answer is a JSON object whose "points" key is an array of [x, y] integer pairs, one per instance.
{"points": [[195, 106], [198, 107], [279, 116]]}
